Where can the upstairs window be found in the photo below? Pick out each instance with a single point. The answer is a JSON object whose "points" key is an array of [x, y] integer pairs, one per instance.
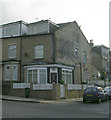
{"points": [[76, 52], [12, 51], [84, 57], [38, 52], [78, 38]]}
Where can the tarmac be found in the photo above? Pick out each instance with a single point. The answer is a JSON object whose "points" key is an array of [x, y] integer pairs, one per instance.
{"points": [[36, 100]]}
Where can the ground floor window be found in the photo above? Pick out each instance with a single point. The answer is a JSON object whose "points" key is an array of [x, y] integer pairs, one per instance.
{"points": [[14, 72], [67, 76], [37, 76], [7, 72], [10, 72]]}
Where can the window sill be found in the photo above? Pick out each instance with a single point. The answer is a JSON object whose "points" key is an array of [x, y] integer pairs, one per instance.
{"points": [[38, 58], [76, 56], [11, 57], [10, 80]]}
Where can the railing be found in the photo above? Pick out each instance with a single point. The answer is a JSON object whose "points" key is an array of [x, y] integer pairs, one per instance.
{"points": [[74, 87], [90, 86], [21, 85], [78, 86], [42, 86], [103, 83]]}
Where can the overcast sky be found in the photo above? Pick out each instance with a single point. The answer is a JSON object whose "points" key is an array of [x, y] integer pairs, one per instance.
{"points": [[91, 15]]}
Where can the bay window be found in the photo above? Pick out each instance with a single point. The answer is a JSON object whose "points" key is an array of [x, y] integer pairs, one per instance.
{"points": [[38, 76], [67, 76], [14, 72], [7, 72], [10, 72]]}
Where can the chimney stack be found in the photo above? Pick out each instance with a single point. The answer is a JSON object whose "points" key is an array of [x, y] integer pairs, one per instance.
{"points": [[91, 43]]}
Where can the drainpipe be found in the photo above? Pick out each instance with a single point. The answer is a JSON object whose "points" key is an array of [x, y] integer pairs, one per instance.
{"points": [[20, 48], [53, 47], [80, 72]]}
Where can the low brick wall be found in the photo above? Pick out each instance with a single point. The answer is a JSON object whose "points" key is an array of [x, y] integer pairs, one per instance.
{"points": [[74, 94], [53, 94], [42, 94], [17, 92]]}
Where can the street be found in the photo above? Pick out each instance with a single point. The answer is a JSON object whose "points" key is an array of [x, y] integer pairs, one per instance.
{"points": [[14, 109]]}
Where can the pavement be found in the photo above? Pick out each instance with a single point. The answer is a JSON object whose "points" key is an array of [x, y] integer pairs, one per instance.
{"points": [[36, 100]]}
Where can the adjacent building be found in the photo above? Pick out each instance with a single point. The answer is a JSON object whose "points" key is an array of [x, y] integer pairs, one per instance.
{"points": [[101, 53]]}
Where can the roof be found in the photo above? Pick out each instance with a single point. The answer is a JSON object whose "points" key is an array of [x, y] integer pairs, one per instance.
{"points": [[101, 46], [21, 21], [63, 24], [48, 21]]}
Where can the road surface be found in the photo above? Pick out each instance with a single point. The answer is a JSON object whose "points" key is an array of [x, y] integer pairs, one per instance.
{"points": [[14, 109]]}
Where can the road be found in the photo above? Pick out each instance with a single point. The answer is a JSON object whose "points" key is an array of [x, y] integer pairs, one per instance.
{"points": [[14, 109]]}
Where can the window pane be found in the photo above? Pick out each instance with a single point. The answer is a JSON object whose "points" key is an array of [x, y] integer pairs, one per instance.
{"points": [[35, 76], [12, 51], [30, 76], [42, 76], [76, 52], [29, 71], [40, 46], [14, 72], [67, 76], [67, 79], [7, 72], [63, 77], [38, 51]]}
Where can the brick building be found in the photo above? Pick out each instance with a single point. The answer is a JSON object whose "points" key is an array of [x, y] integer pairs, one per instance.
{"points": [[101, 53], [45, 53]]}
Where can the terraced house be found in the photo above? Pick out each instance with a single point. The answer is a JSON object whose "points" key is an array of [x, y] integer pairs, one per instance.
{"points": [[45, 53]]}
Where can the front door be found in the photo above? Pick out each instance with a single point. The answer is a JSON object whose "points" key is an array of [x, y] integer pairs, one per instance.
{"points": [[53, 77]]}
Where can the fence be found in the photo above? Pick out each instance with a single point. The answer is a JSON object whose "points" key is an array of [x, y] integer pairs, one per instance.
{"points": [[78, 86], [74, 87], [42, 87], [100, 82], [21, 85]]}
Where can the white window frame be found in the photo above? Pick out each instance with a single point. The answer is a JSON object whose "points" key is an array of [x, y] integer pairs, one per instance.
{"points": [[14, 56], [67, 74], [84, 57], [38, 56], [5, 72], [54, 70], [38, 71], [15, 72], [76, 52], [78, 38]]}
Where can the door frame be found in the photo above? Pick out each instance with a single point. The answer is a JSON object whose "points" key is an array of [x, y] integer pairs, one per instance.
{"points": [[54, 70]]}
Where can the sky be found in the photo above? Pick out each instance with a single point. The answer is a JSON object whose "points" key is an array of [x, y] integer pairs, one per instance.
{"points": [[91, 15]]}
